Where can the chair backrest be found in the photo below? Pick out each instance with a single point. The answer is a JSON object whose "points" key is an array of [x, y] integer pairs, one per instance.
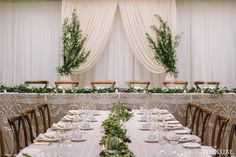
{"points": [[220, 124], [191, 114], [72, 83], [45, 116], [232, 137], [17, 124], [145, 84], [2, 146], [203, 118], [42, 82], [175, 83], [30, 117], [214, 84], [110, 83]]}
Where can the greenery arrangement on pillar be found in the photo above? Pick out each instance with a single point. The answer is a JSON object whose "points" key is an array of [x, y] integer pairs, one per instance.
{"points": [[165, 46], [73, 45]]}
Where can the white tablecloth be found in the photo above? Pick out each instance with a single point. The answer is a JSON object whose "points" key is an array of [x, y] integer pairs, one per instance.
{"points": [[91, 147]]}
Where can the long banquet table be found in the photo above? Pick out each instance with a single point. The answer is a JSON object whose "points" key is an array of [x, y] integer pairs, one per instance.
{"points": [[91, 147], [13, 103]]}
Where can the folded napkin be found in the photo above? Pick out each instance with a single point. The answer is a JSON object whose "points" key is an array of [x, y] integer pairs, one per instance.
{"points": [[184, 131], [173, 122], [162, 111], [58, 126], [74, 111], [72, 118], [47, 137], [167, 115]]}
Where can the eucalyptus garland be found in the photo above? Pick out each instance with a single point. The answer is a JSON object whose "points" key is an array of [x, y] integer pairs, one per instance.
{"points": [[114, 141], [26, 89], [164, 46], [73, 45]]}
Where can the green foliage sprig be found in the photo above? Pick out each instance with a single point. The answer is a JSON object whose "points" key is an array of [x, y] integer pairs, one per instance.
{"points": [[73, 41], [114, 131], [26, 89], [164, 46]]}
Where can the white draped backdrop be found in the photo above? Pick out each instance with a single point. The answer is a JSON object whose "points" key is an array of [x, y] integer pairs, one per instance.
{"points": [[30, 39]]}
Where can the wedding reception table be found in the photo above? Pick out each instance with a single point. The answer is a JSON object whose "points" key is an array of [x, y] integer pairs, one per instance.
{"points": [[13, 103], [91, 148]]}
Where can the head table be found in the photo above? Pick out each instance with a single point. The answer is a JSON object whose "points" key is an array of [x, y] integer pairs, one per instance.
{"points": [[60, 103], [91, 148]]}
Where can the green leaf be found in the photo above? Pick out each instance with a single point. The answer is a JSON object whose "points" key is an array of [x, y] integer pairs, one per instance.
{"points": [[164, 46], [73, 41]]}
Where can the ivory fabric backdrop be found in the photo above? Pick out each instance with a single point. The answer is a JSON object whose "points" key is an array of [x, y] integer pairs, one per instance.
{"points": [[30, 43]]}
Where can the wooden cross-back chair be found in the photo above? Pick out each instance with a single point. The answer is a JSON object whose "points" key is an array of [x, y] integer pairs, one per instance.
{"points": [[45, 116], [42, 82], [191, 114], [73, 83], [2, 146], [203, 118], [145, 83], [220, 124], [232, 137], [177, 83], [111, 83], [211, 83], [30, 117], [17, 124]]}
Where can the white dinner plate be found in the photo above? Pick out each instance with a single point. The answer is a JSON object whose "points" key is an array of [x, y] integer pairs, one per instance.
{"points": [[174, 127], [188, 138], [191, 145], [79, 140], [96, 114], [140, 113], [45, 138], [151, 141], [185, 131], [87, 128], [173, 122]]}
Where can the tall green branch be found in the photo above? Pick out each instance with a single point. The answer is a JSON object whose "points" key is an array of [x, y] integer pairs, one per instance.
{"points": [[73, 41], [164, 46]]}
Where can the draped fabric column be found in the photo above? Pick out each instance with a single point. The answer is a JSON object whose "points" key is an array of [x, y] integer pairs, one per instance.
{"points": [[118, 63], [96, 19], [29, 40], [138, 16]]}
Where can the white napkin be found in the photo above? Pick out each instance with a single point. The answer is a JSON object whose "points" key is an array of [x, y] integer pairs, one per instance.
{"points": [[184, 131], [74, 111], [58, 126], [46, 138]]}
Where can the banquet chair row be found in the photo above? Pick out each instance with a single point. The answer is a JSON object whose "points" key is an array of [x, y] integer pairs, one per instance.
{"points": [[197, 119], [139, 84], [95, 84], [57, 83], [198, 84], [28, 123]]}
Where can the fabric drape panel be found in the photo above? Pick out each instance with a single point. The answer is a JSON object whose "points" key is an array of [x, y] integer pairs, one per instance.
{"points": [[138, 16], [96, 19], [208, 42], [29, 40], [118, 62]]}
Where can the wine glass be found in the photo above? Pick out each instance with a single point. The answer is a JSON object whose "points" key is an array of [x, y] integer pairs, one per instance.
{"points": [[68, 138]]}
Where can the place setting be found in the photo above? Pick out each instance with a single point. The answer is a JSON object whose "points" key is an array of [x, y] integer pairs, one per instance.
{"points": [[49, 136]]}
